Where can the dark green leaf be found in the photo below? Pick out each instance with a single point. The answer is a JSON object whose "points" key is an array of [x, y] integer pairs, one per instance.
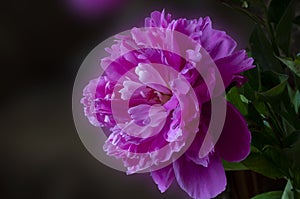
{"points": [[285, 108], [289, 116], [292, 65], [263, 138], [297, 180], [233, 166], [244, 8], [288, 128], [260, 106], [289, 103], [259, 163], [234, 97], [276, 10], [284, 28], [278, 157], [253, 84], [288, 194], [254, 117], [275, 91], [270, 79], [269, 195], [262, 51], [296, 101], [292, 138]]}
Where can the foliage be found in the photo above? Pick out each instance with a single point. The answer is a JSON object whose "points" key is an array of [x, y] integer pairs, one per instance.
{"points": [[270, 100]]}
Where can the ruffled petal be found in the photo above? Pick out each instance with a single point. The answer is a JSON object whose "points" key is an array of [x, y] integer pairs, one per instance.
{"points": [[234, 64], [97, 99], [158, 19], [163, 177], [216, 42], [234, 142], [198, 181], [193, 152]]}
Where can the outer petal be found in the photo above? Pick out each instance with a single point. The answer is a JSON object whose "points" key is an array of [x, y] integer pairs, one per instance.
{"points": [[158, 19], [234, 142], [232, 65], [163, 177], [198, 181], [193, 152], [96, 101], [217, 43], [89, 102]]}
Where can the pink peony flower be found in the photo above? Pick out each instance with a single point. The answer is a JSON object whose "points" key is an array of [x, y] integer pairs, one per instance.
{"points": [[156, 104]]}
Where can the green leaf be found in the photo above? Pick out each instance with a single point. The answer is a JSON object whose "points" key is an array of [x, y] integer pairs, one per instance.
{"points": [[290, 117], [287, 110], [288, 193], [278, 157], [253, 84], [284, 28], [261, 139], [254, 116], [234, 97], [260, 106], [292, 65], [259, 163], [272, 162], [234, 166], [262, 51], [276, 10], [297, 180], [296, 101], [288, 129], [291, 139], [244, 8], [293, 155], [275, 91], [271, 78], [269, 195]]}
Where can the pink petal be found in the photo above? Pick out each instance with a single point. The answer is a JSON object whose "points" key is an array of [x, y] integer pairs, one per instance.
{"points": [[218, 44], [232, 65], [163, 177], [198, 181], [234, 142], [193, 152], [158, 19]]}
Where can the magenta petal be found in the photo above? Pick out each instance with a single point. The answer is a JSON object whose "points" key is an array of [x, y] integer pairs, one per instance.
{"points": [[234, 142], [232, 65], [198, 181], [219, 44], [216, 42], [158, 19], [163, 177]]}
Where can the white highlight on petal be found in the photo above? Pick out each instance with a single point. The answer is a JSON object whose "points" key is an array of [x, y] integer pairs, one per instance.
{"points": [[129, 88], [149, 75], [156, 114]]}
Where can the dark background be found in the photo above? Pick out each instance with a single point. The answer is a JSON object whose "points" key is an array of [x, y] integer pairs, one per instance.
{"points": [[42, 46]]}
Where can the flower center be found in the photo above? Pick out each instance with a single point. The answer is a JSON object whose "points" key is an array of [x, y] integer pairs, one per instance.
{"points": [[163, 97]]}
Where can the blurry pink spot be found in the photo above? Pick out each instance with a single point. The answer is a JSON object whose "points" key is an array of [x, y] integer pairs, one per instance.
{"points": [[94, 8]]}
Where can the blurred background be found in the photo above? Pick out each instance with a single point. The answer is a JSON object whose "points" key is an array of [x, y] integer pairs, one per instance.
{"points": [[43, 44]]}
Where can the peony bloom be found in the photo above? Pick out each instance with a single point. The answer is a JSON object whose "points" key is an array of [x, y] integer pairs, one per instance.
{"points": [[155, 103]]}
